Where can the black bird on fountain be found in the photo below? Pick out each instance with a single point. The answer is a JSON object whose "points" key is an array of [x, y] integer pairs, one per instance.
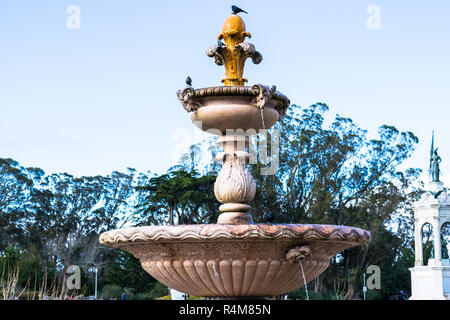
{"points": [[189, 81], [236, 10]]}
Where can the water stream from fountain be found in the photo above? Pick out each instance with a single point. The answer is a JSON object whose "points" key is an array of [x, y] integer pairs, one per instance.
{"points": [[262, 119], [304, 279]]}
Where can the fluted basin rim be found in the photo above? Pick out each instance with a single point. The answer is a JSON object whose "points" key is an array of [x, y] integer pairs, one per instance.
{"points": [[217, 232]]}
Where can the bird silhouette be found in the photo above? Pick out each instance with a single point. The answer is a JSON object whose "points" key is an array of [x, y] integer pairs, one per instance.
{"points": [[236, 10], [189, 81]]}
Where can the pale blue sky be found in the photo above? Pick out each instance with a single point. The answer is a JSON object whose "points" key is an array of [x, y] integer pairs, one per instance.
{"points": [[102, 98]]}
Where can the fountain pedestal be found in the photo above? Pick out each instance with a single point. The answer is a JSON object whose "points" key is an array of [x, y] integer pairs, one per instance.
{"points": [[234, 186]]}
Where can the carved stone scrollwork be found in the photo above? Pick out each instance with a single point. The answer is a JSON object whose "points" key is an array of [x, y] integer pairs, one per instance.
{"points": [[247, 50], [298, 253], [215, 52], [188, 99], [222, 56], [233, 57], [263, 94]]}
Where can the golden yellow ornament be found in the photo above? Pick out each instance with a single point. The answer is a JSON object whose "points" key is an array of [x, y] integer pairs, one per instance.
{"points": [[234, 52]]}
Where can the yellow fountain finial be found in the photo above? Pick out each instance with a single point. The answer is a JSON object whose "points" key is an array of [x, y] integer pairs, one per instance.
{"points": [[234, 28], [235, 51]]}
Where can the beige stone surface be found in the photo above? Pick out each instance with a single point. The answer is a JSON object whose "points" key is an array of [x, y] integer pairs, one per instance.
{"points": [[234, 260], [235, 107], [232, 113]]}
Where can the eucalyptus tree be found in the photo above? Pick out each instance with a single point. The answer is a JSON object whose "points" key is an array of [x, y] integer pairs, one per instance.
{"points": [[16, 186]]}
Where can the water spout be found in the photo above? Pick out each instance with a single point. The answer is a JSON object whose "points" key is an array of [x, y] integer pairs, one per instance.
{"points": [[298, 253], [304, 279], [262, 118]]}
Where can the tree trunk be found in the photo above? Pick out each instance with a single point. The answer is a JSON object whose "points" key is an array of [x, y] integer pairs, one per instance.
{"points": [[171, 215], [318, 285]]}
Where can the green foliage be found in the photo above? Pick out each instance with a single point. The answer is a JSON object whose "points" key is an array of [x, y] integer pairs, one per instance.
{"points": [[158, 290], [178, 196], [300, 294], [195, 298], [373, 295], [111, 292], [31, 267], [126, 270], [395, 276]]}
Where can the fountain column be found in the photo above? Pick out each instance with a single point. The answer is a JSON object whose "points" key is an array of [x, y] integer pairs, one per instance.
{"points": [[234, 186]]}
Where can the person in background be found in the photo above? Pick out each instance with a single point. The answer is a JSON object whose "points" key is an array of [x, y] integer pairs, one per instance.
{"points": [[403, 295]]}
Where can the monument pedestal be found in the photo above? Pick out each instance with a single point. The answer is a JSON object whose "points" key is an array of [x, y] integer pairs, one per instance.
{"points": [[431, 282]]}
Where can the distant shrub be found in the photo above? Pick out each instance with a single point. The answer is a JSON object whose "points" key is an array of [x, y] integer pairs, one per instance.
{"points": [[300, 294], [196, 298], [373, 295], [111, 291], [158, 290]]}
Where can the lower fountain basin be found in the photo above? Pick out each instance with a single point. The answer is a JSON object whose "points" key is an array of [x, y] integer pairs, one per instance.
{"points": [[217, 260]]}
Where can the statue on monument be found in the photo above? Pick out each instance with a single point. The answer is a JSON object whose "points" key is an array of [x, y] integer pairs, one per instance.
{"points": [[435, 160], [435, 171]]}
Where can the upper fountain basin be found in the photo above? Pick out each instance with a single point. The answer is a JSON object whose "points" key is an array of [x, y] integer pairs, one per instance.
{"points": [[216, 109]]}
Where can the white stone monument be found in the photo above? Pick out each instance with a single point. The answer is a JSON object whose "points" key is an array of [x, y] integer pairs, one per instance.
{"points": [[431, 281], [177, 295]]}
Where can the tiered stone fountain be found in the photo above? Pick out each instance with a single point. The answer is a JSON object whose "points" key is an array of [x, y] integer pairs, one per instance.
{"points": [[235, 258]]}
